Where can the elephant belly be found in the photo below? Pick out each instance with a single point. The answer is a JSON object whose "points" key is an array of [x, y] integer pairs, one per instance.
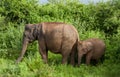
{"points": [[97, 54], [54, 41], [54, 46]]}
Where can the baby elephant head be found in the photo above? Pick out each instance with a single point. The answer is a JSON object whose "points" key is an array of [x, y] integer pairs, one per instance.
{"points": [[84, 47]]}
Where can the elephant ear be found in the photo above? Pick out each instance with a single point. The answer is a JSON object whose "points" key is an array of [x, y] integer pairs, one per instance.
{"points": [[89, 46], [35, 31], [80, 43]]}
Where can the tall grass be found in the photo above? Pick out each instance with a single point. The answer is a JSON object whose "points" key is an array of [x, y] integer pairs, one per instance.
{"points": [[34, 67]]}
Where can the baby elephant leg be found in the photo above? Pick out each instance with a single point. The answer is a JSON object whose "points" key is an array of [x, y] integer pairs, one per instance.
{"points": [[88, 58]]}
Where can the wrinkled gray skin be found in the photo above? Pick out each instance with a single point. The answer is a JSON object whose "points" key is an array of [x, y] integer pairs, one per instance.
{"points": [[93, 48], [54, 36]]}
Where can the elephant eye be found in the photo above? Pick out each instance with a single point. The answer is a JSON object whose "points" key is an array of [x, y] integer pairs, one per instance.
{"points": [[26, 33], [84, 50]]}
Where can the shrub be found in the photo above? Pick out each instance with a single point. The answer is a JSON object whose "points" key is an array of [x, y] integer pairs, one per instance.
{"points": [[10, 40]]}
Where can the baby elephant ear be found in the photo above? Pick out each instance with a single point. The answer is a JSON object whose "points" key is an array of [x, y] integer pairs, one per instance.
{"points": [[80, 42], [89, 46]]}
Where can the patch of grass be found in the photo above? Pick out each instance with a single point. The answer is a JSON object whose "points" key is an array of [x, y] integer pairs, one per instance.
{"points": [[34, 67]]}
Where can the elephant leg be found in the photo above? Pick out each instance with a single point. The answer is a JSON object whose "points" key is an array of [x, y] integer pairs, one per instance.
{"points": [[88, 58], [72, 55], [79, 58], [43, 51], [96, 61], [44, 55], [102, 58], [65, 55], [64, 59], [72, 59]]}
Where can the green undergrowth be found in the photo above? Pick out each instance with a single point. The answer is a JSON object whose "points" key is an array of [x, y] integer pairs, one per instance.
{"points": [[33, 66]]}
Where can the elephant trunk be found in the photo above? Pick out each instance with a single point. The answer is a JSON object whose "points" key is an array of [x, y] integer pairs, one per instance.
{"points": [[24, 47]]}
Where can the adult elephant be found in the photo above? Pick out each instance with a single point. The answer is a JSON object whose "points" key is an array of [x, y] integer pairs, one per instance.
{"points": [[54, 36]]}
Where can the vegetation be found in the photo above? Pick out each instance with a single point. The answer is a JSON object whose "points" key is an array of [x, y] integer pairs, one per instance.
{"points": [[101, 20]]}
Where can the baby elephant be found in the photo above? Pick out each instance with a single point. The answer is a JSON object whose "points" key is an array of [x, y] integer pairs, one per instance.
{"points": [[93, 48]]}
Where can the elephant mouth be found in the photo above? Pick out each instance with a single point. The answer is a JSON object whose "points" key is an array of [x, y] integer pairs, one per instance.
{"points": [[30, 41]]}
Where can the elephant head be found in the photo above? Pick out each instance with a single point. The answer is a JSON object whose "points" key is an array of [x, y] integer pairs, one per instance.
{"points": [[83, 48], [29, 35]]}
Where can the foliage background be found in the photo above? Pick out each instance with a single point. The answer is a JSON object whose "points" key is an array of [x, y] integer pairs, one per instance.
{"points": [[100, 20]]}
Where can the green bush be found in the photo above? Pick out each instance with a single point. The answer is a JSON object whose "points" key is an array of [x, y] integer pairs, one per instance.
{"points": [[20, 11], [10, 40]]}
